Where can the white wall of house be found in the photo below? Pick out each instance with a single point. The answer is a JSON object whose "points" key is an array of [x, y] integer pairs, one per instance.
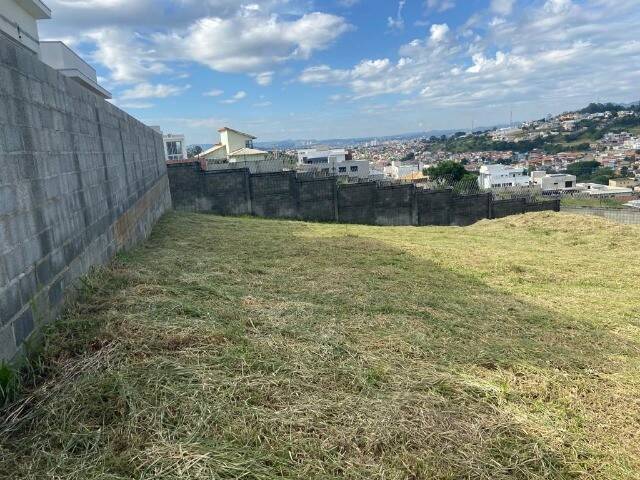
{"points": [[174, 147], [553, 182], [499, 176], [18, 20], [347, 168], [321, 155], [399, 170], [233, 140]]}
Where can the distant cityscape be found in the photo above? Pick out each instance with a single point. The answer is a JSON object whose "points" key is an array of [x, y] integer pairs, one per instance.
{"points": [[594, 151]]}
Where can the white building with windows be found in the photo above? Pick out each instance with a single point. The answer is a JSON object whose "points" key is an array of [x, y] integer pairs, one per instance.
{"points": [[399, 170], [60, 57], [174, 147], [19, 22], [500, 176], [553, 182], [332, 161]]}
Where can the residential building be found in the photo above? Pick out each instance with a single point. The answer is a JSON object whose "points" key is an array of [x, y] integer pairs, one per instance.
{"points": [[175, 149], [60, 57], [553, 182], [322, 155], [19, 22], [623, 182], [332, 161], [498, 176], [605, 191], [234, 147], [400, 170]]}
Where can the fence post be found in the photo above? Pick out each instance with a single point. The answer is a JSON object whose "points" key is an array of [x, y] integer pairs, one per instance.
{"points": [[336, 212]]}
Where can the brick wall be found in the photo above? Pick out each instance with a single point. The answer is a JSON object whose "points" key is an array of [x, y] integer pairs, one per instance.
{"points": [[79, 180]]}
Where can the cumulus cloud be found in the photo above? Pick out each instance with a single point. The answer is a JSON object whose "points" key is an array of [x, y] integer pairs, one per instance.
{"points": [[236, 98], [213, 93], [440, 5], [439, 32], [555, 49], [264, 78], [224, 35], [397, 23], [502, 7], [148, 90]]}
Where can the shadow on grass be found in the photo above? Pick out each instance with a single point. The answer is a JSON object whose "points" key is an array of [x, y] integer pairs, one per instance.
{"points": [[279, 349]]}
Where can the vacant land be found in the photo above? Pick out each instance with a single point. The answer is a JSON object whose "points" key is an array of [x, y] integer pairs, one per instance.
{"points": [[245, 348]]}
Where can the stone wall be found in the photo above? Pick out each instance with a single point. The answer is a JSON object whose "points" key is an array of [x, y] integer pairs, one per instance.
{"points": [[79, 180], [286, 195]]}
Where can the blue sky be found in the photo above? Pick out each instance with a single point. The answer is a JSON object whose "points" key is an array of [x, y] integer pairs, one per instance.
{"points": [[291, 69]]}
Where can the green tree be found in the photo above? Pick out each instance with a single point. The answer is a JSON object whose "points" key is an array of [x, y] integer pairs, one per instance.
{"points": [[194, 150], [449, 170], [583, 170]]}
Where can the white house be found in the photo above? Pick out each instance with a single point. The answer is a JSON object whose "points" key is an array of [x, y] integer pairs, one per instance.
{"points": [[398, 170], [602, 191], [332, 161], [19, 22], [320, 155], [553, 182], [234, 147], [497, 176], [60, 57]]}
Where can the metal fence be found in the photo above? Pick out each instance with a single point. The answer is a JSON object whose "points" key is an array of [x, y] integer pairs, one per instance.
{"points": [[627, 216]]}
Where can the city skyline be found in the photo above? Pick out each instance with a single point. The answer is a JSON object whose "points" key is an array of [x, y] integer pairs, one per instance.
{"points": [[290, 69]]}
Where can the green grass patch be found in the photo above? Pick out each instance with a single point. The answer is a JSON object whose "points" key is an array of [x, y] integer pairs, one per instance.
{"points": [[229, 348]]}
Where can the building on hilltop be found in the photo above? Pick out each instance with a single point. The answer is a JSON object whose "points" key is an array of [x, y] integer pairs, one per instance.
{"points": [[332, 161], [19, 23], [498, 176], [60, 57], [554, 182], [234, 147], [175, 150]]}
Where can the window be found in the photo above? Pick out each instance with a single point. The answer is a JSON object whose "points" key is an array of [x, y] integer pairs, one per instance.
{"points": [[354, 168], [174, 148], [568, 184], [342, 169], [248, 144]]}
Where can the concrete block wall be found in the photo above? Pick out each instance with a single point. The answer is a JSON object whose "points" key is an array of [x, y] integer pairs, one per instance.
{"points": [[285, 195], [79, 180]]}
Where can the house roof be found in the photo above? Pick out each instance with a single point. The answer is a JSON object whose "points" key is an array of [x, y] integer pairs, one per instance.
{"points": [[237, 131], [247, 151], [217, 146]]}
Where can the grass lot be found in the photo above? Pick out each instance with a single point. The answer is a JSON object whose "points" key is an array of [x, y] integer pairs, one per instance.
{"points": [[243, 348], [578, 201]]}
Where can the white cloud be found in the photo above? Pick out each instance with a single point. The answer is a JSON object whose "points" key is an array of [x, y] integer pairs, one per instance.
{"points": [[441, 5], [137, 105], [397, 23], [556, 7], [502, 7], [236, 98], [128, 59], [582, 50], [262, 104], [213, 93], [264, 78], [251, 41], [224, 35], [439, 32], [148, 90]]}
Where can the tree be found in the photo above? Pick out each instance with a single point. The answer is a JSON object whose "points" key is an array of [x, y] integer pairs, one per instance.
{"points": [[194, 150], [449, 170], [583, 170]]}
